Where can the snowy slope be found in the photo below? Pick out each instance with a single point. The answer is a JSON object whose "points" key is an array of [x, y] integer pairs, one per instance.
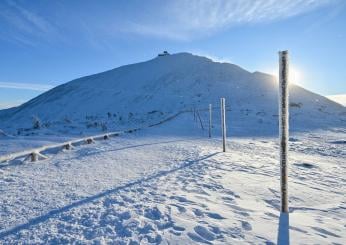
{"points": [[172, 185], [149, 91], [339, 98]]}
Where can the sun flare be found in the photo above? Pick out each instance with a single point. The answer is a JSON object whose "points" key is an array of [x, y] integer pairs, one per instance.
{"points": [[295, 74]]}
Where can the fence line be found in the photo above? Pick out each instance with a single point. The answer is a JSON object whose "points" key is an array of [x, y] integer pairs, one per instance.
{"points": [[35, 153]]}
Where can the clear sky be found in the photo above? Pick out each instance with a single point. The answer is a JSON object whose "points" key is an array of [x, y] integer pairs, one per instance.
{"points": [[45, 43]]}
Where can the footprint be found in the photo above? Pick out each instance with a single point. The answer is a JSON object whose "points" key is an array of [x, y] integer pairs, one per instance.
{"points": [[175, 232], [235, 232], [145, 229], [9, 180], [181, 209], [246, 225], [231, 193], [124, 215], [204, 233], [198, 212], [274, 203], [227, 199], [215, 215], [180, 199], [196, 190], [213, 187], [152, 213], [164, 225], [197, 238], [152, 238], [178, 228]]}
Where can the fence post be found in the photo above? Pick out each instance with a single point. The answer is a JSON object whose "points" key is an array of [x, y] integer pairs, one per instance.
{"points": [[283, 126], [200, 120], [223, 124], [68, 146], [210, 120], [34, 156], [194, 114]]}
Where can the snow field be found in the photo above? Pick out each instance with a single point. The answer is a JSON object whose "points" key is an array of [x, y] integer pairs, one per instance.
{"points": [[172, 185]]}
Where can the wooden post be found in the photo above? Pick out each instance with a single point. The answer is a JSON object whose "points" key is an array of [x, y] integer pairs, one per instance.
{"points": [[223, 124], [68, 146], [34, 157], [283, 125], [210, 120]]}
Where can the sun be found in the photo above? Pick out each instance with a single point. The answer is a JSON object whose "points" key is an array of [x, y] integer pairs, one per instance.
{"points": [[295, 74]]}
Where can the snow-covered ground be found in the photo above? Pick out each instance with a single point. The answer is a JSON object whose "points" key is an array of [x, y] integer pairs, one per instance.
{"points": [[10, 144], [171, 184]]}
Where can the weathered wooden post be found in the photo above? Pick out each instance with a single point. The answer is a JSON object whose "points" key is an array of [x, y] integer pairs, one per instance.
{"points": [[223, 124], [68, 146], [283, 125], [210, 120], [34, 156]]}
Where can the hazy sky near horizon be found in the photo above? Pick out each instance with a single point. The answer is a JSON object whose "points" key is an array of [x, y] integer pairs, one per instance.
{"points": [[46, 43]]}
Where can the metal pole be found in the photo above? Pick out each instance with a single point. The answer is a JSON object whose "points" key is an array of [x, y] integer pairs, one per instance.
{"points": [[200, 120], [223, 124], [210, 120], [283, 125]]}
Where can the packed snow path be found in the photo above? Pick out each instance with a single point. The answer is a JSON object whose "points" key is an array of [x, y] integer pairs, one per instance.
{"points": [[173, 185]]}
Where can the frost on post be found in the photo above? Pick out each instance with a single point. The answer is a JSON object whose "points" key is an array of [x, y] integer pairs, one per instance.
{"points": [[283, 125], [223, 124]]}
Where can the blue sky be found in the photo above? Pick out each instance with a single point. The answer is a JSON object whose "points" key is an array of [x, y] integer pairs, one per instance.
{"points": [[45, 43]]}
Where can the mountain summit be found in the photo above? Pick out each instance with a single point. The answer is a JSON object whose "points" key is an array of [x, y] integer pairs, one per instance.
{"points": [[155, 89]]}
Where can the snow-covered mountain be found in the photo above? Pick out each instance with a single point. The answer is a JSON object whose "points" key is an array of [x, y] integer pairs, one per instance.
{"points": [[152, 90]]}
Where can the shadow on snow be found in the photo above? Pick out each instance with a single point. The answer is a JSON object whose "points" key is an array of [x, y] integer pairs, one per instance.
{"points": [[52, 213]]}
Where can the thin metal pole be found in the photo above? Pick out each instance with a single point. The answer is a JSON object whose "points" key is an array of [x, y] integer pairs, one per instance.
{"points": [[210, 111], [283, 126], [200, 120], [223, 124]]}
